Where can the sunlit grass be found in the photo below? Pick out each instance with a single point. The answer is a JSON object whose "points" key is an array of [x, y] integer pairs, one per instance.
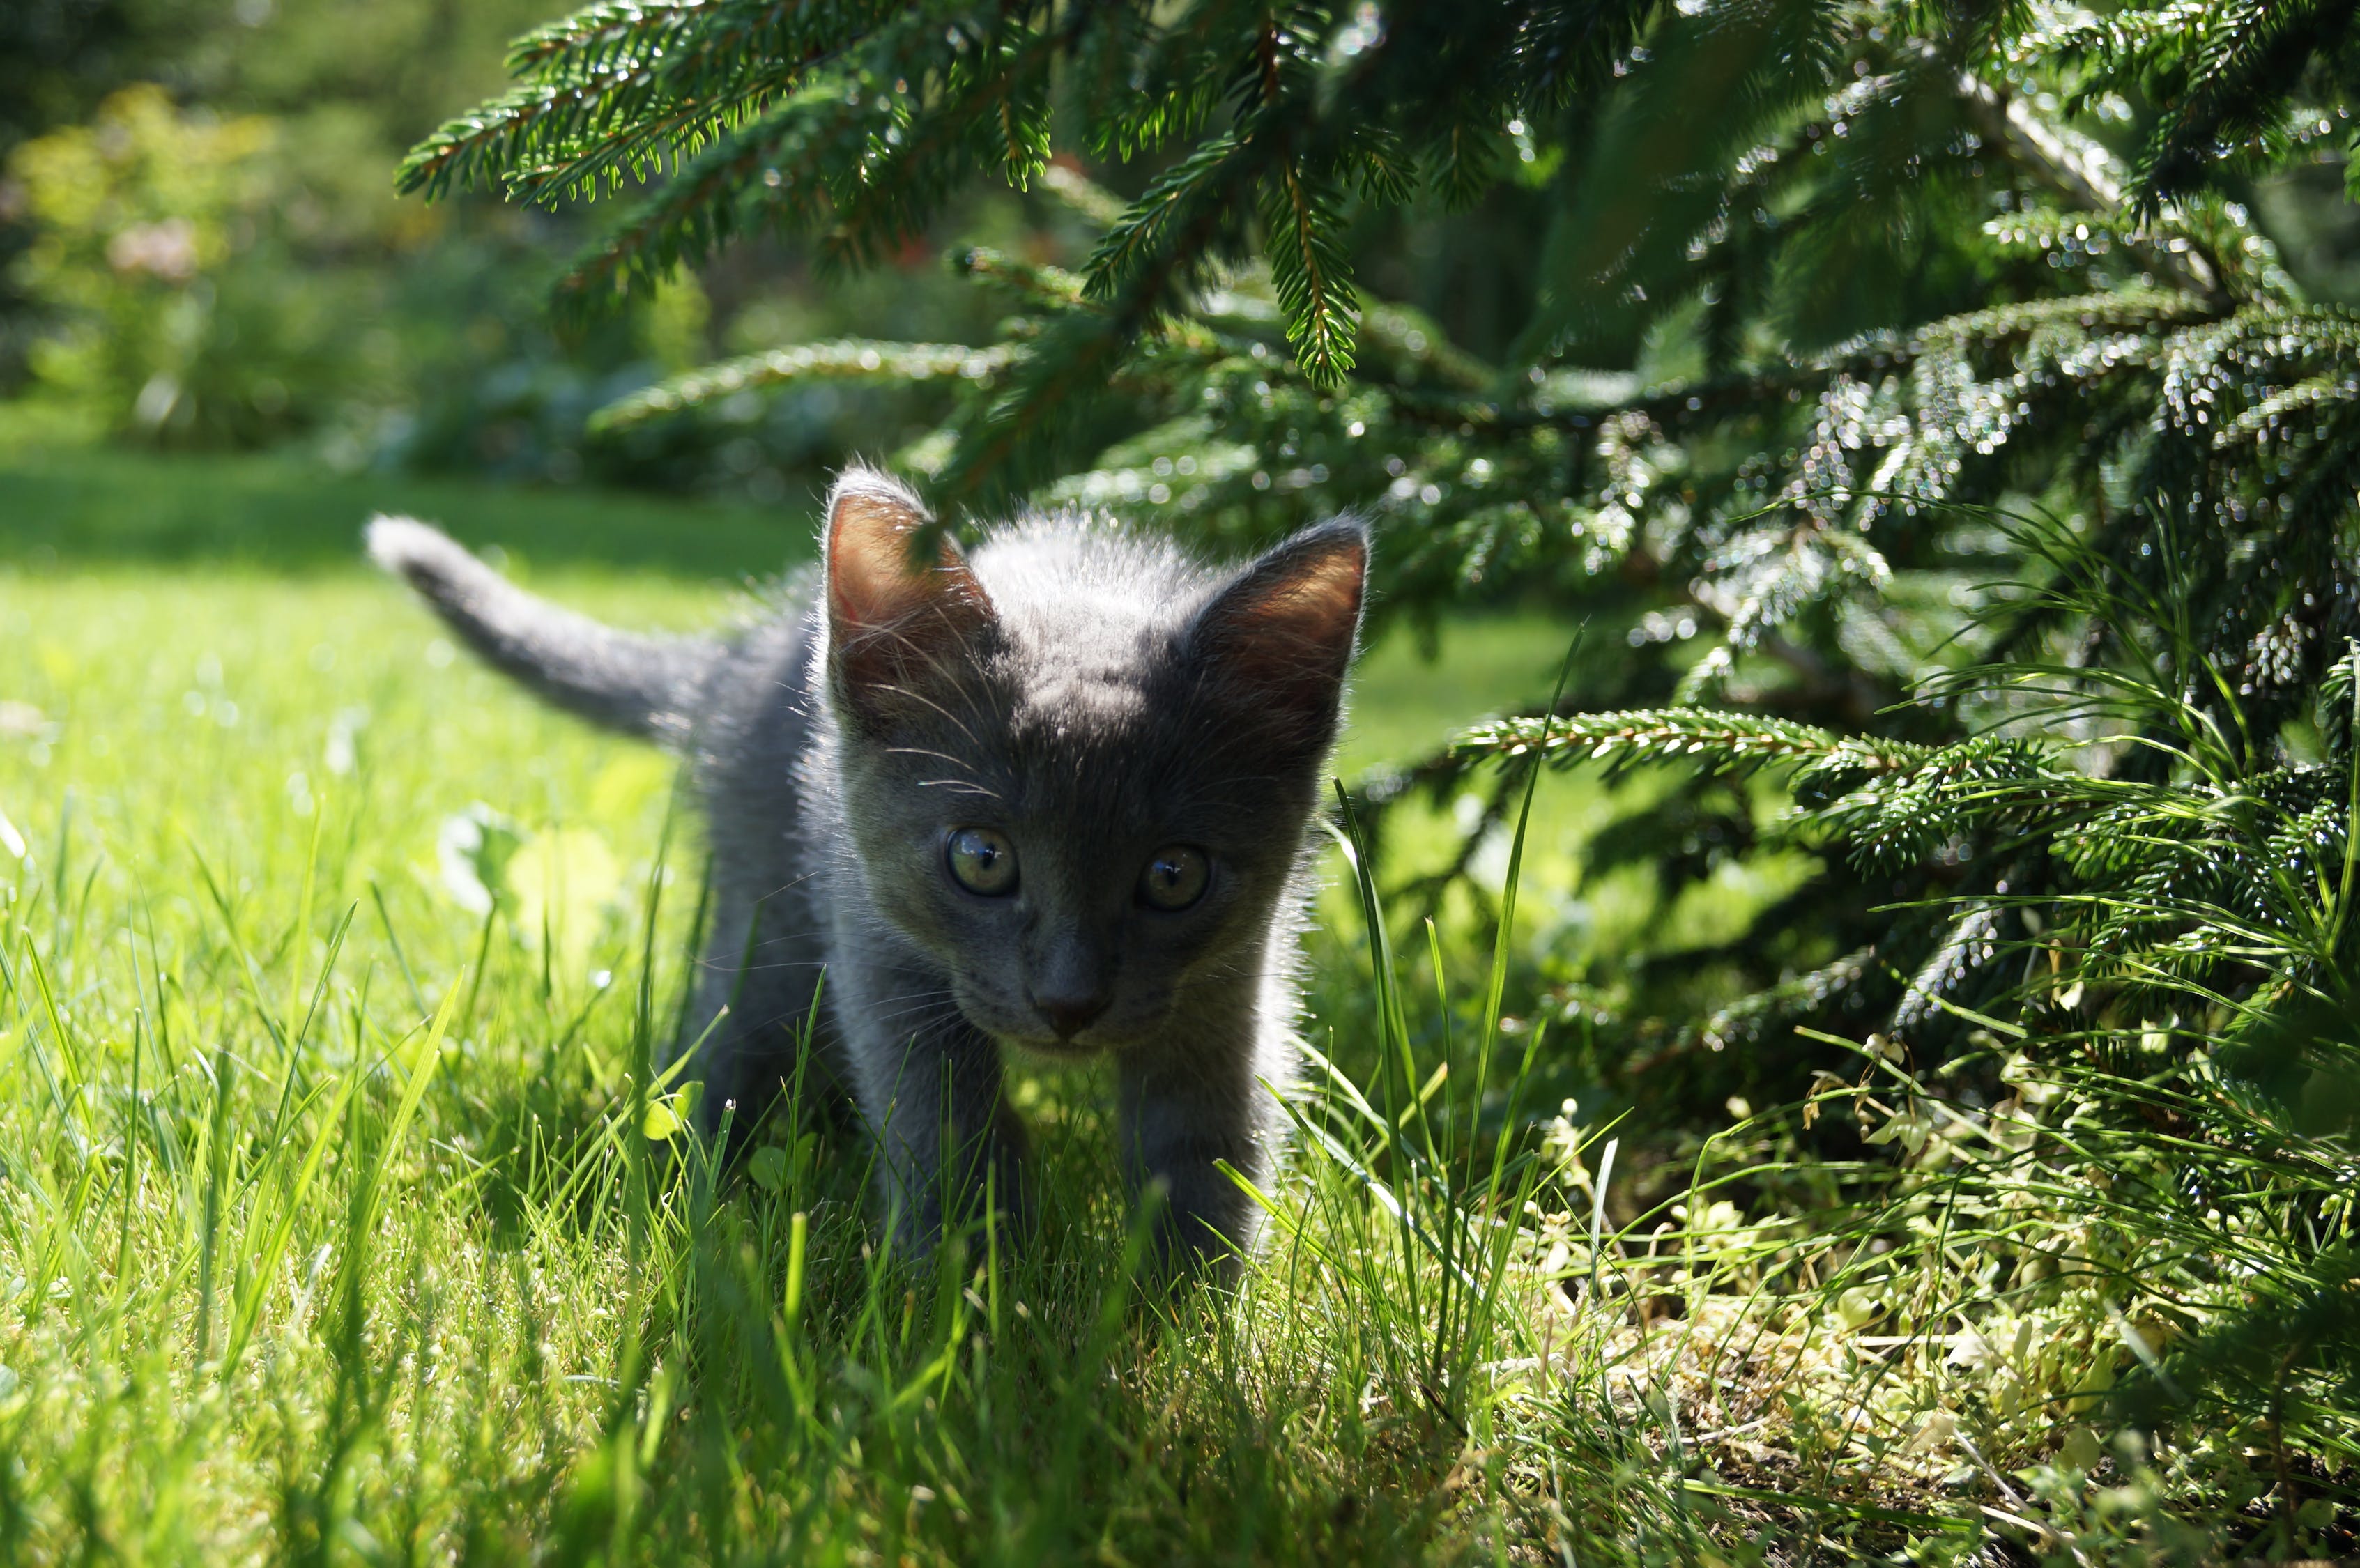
{"points": [[330, 1228]]}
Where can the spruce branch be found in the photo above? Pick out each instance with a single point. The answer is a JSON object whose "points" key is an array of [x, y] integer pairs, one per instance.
{"points": [[1669, 734], [2247, 59], [849, 359], [1189, 207], [1310, 271], [1084, 195], [706, 204], [1751, 1017], [1048, 287]]}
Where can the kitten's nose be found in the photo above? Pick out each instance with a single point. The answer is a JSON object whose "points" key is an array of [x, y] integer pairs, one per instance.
{"points": [[1070, 1015]]}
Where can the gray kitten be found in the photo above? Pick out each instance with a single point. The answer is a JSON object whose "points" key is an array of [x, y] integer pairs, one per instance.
{"points": [[1056, 793]]}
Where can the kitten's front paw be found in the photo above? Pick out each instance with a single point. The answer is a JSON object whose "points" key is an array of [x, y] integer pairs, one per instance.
{"points": [[994, 1190], [1194, 1241]]}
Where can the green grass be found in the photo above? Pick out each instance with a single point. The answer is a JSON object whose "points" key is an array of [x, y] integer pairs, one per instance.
{"points": [[291, 1273], [79, 509], [330, 1228]]}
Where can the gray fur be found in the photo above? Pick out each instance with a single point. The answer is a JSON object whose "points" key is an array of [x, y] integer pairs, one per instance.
{"points": [[1093, 694], [640, 685]]}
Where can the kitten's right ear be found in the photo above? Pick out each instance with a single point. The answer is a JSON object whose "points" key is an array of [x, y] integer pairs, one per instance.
{"points": [[1280, 637], [895, 625]]}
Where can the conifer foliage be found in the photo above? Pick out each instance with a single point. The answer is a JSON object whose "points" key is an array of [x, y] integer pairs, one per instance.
{"points": [[1906, 392]]}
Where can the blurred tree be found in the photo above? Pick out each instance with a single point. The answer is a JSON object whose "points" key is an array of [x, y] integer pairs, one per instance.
{"points": [[55, 58], [141, 219], [58, 59]]}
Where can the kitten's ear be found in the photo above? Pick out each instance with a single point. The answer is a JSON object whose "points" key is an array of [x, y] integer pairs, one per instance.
{"points": [[894, 624], [1280, 637]]}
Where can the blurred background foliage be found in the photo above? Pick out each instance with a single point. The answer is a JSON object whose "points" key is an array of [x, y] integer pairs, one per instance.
{"points": [[201, 248]]}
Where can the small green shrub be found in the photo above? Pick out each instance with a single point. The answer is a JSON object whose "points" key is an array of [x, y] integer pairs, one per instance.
{"points": [[178, 260]]}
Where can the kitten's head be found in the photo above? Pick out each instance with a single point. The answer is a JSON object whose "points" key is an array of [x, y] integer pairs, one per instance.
{"points": [[1079, 769]]}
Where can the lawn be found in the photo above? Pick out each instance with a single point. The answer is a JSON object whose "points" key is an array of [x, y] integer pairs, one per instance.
{"points": [[343, 1219], [331, 1227]]}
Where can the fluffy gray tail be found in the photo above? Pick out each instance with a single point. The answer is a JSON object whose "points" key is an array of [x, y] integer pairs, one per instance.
{"points": [[640, 685]]}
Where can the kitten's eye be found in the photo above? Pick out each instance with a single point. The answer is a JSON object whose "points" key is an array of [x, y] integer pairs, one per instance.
{"points": [[1174, 877], [981, 860]]}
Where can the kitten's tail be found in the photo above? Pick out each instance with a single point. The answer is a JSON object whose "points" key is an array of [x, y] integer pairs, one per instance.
{"points": [[640, 685]]}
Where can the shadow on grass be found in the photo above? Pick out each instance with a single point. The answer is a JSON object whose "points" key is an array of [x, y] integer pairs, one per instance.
{"points": [[81, 510], [1019, 1398]]}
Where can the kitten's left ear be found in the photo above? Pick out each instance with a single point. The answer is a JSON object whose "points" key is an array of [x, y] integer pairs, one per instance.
{"points": [[1280, 637]]}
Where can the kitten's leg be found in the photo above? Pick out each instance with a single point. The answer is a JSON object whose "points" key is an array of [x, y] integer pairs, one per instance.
{"points": [[765, 978], [929, 1084], [1185, 1106]]}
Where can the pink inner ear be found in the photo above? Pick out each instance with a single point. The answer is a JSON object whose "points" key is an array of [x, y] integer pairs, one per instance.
{"points": [[1287, 628], [892, 625], [1320, 609], [871, 582]]}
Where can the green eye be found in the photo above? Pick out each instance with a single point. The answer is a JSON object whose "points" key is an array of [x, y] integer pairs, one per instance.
{"points": [[1174, 877], [981, 860]]}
